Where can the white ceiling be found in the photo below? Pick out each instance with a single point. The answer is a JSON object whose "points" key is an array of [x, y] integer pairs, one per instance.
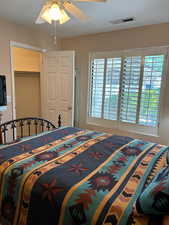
{"points": [[100, 14]]}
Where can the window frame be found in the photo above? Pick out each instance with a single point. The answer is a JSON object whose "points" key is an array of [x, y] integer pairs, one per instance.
{"points": [[117, 124]]}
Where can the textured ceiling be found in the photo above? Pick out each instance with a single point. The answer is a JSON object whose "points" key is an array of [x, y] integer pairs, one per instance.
{"points": [[100, 14]]}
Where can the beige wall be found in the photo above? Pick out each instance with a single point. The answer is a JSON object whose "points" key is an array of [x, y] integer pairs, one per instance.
{"points": [[141, 37], [26, 60], [11, 32]]}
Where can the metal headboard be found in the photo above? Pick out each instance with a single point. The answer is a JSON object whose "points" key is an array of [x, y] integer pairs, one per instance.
{"points": [[24, 127]]}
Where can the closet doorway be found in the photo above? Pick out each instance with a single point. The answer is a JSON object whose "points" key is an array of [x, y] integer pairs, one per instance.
{"points": [[26, 68], [27, 94]]}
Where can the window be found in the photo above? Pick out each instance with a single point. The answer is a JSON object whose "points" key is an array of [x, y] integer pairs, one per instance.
{"points": [[126, 89]]}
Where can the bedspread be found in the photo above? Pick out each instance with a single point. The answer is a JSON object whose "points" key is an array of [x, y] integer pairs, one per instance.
{"points": [[71, 176]]}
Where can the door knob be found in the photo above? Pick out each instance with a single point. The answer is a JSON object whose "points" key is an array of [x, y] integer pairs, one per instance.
{"points": [[69, 108]]}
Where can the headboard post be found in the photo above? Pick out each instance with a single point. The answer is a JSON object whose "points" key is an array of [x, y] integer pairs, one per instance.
{"points": [[1, 139], [59, 121]]}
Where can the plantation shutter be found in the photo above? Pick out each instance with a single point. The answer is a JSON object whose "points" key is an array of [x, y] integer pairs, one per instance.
{"points": [[97, 78], [127, 88], [112, 83], [130, 89], [150, 96]]}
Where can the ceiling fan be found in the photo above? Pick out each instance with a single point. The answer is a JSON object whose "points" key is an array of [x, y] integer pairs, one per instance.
{"points": [[55, 10]]}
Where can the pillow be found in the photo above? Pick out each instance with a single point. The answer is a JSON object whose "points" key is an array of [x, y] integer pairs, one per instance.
{"points": [[155, 198]]}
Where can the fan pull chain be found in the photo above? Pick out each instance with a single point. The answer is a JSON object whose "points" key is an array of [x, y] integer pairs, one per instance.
{"points": [[55, 38]]}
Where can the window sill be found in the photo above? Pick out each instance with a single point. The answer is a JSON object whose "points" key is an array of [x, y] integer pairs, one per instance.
{"points": [[125, 127]]}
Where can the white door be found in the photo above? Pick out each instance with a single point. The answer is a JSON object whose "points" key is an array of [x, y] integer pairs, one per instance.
{"points": [[57, 82]]}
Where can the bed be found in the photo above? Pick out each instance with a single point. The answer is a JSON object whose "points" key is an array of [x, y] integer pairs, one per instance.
{"points": [[70, 176]]}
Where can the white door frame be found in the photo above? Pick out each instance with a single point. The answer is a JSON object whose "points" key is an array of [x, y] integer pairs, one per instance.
{"points": [[25, 46]]}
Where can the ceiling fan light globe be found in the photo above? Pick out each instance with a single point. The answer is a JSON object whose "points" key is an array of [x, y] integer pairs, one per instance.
{"points": [[64, 17], [55, 12], [45, 16]]}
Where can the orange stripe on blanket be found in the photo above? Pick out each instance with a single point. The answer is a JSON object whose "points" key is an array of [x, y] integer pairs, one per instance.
{"points": [[74, 188], [116, 210], [115, 188], [127, 193], [31, 178], [36, 151]]}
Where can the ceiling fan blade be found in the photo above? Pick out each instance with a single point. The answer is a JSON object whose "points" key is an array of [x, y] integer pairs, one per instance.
{"points": [[75, 11], [64, 17], [91, 0]]}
